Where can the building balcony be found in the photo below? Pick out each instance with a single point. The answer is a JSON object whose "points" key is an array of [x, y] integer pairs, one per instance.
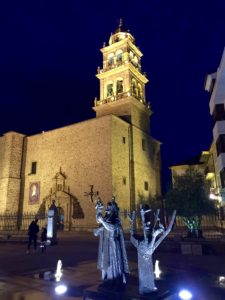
{"points": [[119, 96], [112, 66], [219, 128]]}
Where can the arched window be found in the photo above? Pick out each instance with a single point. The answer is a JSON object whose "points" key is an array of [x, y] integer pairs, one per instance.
{"points": [[110, 60], [134, 87], [110, 89], [119, 57], [119, 85], [135, 61], [131, 55], [139, 91]]}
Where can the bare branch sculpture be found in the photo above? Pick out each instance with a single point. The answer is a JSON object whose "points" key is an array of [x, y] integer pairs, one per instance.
{"points": [[147, 246]]}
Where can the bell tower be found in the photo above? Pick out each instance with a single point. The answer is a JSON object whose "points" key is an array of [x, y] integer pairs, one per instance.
{"points": [[122, 83]]}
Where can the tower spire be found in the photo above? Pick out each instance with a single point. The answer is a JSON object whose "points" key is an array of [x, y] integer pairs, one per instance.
{"points": [[120, 26], [120, 23]]}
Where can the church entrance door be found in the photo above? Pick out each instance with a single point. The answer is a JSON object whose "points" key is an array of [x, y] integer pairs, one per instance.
{"points": [[61, 218]]}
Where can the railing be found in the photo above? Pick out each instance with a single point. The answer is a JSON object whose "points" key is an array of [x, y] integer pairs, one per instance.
{"points": [[110, 66], [14, 221], [119, 96]]}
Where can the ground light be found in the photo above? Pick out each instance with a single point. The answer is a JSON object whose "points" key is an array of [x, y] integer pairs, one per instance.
{"points": [[157, 270], [60, 289], [185, 295]]}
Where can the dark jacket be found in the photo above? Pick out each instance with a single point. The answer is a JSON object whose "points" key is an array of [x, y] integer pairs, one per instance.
{"points": [[33, 229], [44, 235]]}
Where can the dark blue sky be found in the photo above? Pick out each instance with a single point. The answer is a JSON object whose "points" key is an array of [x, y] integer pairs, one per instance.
{"points": [[49, 53]]}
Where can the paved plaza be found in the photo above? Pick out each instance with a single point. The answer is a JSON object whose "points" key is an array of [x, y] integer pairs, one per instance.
{"points": [[19, 272]]}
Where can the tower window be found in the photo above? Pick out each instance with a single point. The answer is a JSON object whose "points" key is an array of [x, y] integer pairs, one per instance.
{"points": [[124, 181], [135, 61], [134, 87], [124, 140], [119, 86], [33, 167], [146, 185], [119, 57], [109, 90], [131, 55], [143, 145], [139, 91], [110, 60]]}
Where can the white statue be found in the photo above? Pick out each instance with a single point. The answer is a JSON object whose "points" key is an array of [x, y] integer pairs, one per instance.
{"points": [[112, 257], [147, 246]]}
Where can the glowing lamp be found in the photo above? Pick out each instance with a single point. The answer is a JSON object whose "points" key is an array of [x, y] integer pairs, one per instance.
{"points": [[60, 289], [157, 269], [58, 273], [212, 196], [185, 295]]}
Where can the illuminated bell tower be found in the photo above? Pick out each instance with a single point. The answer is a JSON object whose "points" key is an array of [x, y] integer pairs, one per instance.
{"points": [[122, 83]]}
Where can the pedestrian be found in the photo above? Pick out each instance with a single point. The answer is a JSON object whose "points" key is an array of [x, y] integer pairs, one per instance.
{"points": [[43, 239], [33, 230]]}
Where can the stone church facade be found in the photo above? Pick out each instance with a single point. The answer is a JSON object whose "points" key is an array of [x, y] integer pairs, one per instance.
{"points": [[112, 154]]}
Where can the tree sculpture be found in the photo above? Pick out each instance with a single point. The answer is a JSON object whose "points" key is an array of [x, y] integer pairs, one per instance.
{"points": [[153, 235]]}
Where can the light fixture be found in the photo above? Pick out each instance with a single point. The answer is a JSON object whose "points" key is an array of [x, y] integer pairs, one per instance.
{"points": [[58, 273], [157, 269], [185, 295], [60, 289]]}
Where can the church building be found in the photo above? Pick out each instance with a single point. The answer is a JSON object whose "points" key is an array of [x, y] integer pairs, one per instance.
{"points": [[112, 154]]}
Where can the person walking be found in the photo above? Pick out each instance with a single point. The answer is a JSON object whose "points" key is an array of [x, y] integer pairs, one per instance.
{"points": [[32, 233]]}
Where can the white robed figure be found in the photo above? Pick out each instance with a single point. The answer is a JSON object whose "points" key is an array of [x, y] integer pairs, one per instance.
{"points": [[112, 256]]}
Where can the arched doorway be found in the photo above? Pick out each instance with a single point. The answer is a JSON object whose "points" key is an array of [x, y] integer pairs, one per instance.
{"points": [[61, 218]]}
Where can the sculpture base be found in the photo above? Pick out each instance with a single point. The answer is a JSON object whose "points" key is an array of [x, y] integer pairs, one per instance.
{"points": [[111, 291]]}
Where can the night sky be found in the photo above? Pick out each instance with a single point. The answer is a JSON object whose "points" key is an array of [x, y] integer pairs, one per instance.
{"points": [[49, 54]]}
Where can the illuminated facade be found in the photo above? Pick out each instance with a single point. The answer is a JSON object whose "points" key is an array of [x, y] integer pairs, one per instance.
{"points": [[215, 84], [112, 154]]}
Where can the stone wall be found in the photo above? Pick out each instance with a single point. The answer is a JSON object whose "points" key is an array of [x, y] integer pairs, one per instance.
{"points": [[83, 152], [11, 151]]}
